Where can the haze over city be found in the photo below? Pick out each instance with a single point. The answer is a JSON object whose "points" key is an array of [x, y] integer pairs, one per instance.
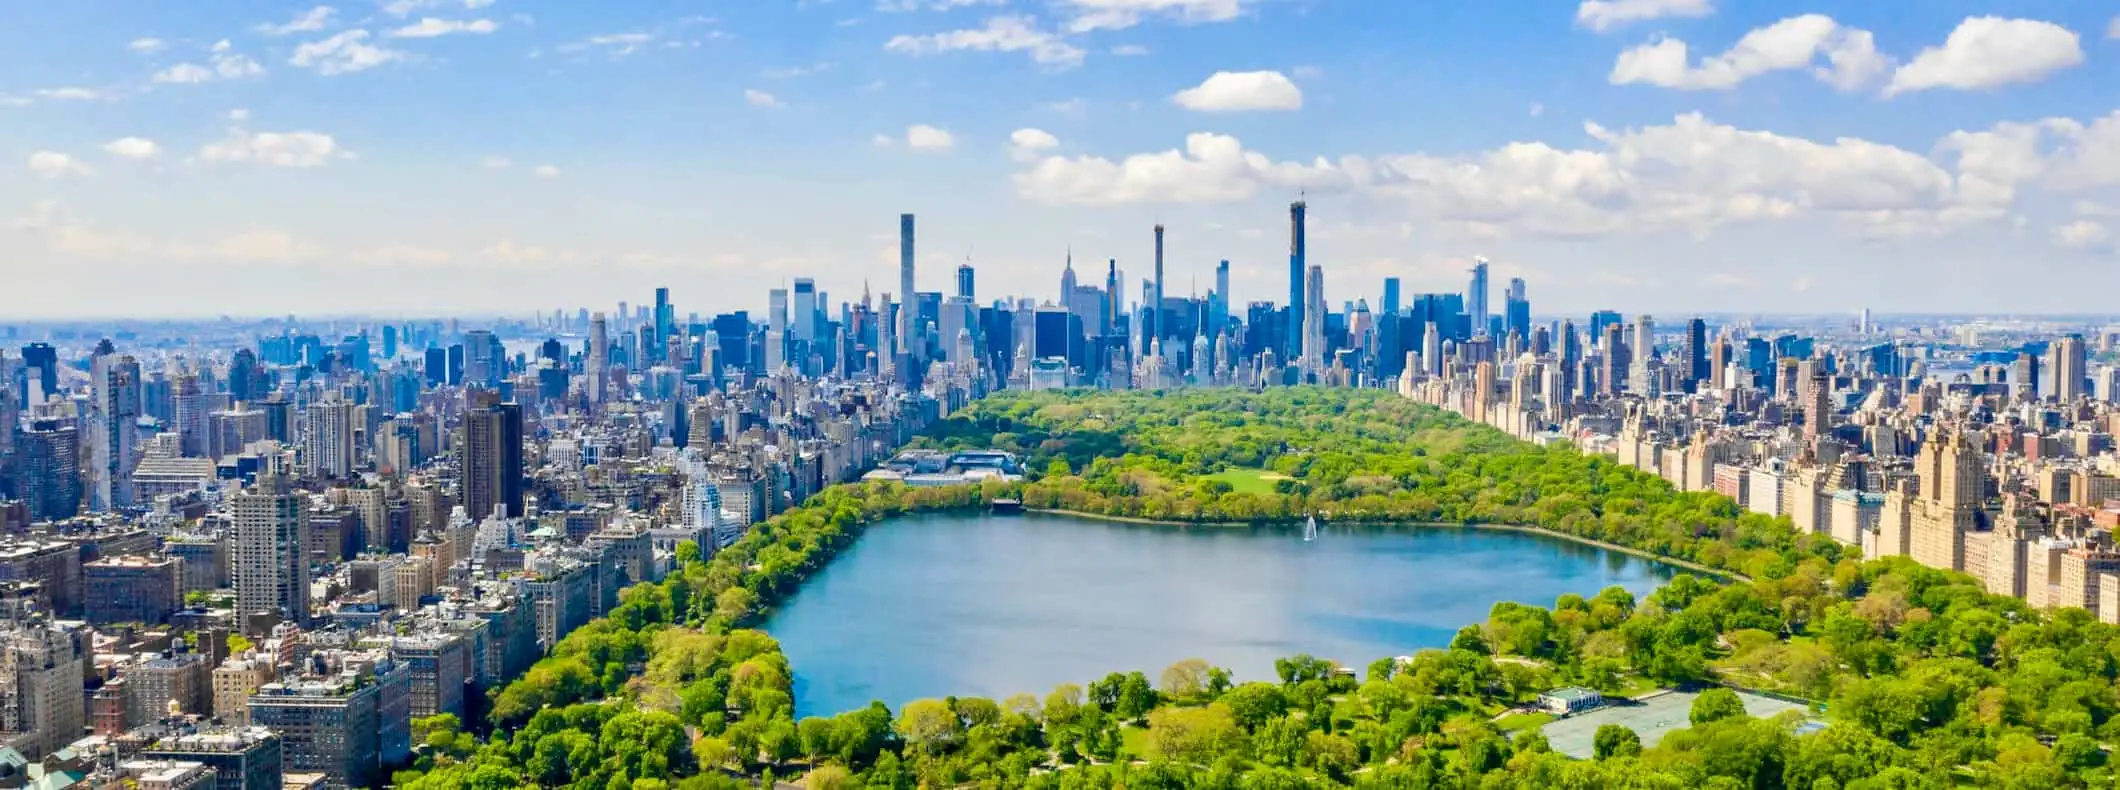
{"points": [[430, 157]]}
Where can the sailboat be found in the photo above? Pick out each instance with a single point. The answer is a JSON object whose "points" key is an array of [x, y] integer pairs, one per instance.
{"points": [[1310, 528]]}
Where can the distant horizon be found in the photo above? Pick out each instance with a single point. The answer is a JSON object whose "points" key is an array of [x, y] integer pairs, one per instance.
{"points": [[476, 157]]}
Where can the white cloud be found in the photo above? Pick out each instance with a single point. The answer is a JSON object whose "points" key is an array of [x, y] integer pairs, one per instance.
{"points": [[1800, 42], [223, 63], [1129, 50], [52, 164], [545, 171], [309, 21], [1989, 52], [430, 27], [1240, 91], [344, 53], [1001, 34], [146, 46], [882, 140], [184, 74], [758, 98], [239, 115], [2083, 234], [1690, 175], [1026, 145], [1091, 15], [230, 66], [922, 137], [791, 72], [1211, 169], [1603, 15], [905, 6], [133, 148], [276, 149], [616, 44], [72, 93], [400, 8], [495, 163], [2112, 31]]}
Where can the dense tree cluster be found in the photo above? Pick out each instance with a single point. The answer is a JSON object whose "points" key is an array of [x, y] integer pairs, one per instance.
{"points": [[1353, 455], [1923, 679]]}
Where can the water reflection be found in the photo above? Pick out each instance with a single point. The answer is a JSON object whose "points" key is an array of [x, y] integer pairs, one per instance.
{"points": [[930, 606]]}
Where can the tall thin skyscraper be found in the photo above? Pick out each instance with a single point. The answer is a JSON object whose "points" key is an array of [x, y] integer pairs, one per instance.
{"points": [[1220, 317], [1155, 308], [493, 456], [1476, 297], [1297, 263], [802, 322], [1390, 303], [905, 283], [1111, 292], [271, 570], [1431, 348], [776, 329], [1314, 321], [598, 358], [114, 432], [665, 316], [965, 280]]}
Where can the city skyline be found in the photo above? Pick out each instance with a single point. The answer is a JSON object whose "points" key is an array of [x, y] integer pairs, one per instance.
{"points": [[444, 157]]}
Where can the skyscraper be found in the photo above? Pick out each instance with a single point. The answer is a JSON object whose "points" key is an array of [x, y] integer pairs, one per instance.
{"points": [[1696, 364], [2069, 369], [665, 323], [1476, 297], [48, 470], [270, 572], [1219, 316], [114, 428], [1644, 352], [802, 322], [328, 442], [1516, 309], [598, 359], [484, 358], [1156, 329], [493, 456], [1297, 263], [776, 329], [905, 283], [40, 365], [964, 280], [1314, 321], [1390, 303]]}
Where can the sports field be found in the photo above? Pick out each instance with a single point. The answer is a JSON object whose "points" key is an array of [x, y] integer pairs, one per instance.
{"points": [[1249, 481], [1650, 718]]}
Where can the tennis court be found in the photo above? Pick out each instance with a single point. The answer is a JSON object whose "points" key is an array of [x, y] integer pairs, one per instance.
{"points": [[1649, 718]]}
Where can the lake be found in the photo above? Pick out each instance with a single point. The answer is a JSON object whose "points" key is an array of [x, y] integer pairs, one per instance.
{"points": [[939, 605]]}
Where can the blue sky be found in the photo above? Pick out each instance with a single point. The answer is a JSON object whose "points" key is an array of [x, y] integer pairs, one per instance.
{"points": [[482, 156]]}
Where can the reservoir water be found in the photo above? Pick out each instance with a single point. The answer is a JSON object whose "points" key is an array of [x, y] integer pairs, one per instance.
{"points": [[939, 605]]}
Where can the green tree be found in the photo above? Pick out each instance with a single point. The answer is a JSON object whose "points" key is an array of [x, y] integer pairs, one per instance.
{"points": [[1614, 741], [1253, 704], [1186, 680], [1716, 704], [1195, 736]]}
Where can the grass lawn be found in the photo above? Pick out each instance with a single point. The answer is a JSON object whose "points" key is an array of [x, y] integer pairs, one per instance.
{"points": [[1134, 741], [1249, 481], [1523, 721], [1636, 685]]}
